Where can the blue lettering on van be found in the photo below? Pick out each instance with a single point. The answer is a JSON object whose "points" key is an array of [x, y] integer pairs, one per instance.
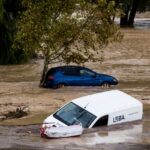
{"points": [[118, 118]]}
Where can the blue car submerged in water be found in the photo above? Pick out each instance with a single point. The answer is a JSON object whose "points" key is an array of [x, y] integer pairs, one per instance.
{"points": [[77, 76]]}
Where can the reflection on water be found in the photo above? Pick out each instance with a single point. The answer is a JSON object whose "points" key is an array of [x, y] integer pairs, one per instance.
{"points": [[139, 23], [128, 135], [142, 23], [100, 137]]}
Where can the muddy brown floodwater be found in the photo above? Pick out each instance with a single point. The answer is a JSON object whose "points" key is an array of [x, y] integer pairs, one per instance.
{"points": [[128, 61], [135, 135]]}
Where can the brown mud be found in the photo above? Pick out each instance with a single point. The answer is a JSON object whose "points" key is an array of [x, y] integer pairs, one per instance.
{"points": [[128, 61]]}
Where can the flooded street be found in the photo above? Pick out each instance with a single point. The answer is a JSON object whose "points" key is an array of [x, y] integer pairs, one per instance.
{"points": [[125, 136], [128, 61]]}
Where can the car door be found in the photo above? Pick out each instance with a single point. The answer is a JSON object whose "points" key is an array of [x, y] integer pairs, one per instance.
{"points": [[72, 76], [88, 77]]}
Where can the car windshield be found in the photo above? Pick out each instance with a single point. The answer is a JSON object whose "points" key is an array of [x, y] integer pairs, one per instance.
{"points": [[71, 114]]}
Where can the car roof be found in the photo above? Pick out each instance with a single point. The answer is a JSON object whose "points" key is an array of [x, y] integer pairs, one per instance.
{"points": [[62, 67], [108, 102]]}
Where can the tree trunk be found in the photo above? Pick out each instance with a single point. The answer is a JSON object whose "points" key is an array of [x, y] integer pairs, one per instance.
{"points": [[45, 69], [133, 12], [124, 19]]}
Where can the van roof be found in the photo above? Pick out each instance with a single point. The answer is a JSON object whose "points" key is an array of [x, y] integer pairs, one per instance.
{"points": [[107, 102]]}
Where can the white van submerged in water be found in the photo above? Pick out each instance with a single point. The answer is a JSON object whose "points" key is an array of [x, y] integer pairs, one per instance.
{"points": [[105, 108]]}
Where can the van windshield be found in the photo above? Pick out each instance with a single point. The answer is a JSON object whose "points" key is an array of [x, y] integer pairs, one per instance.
{"points": [[71, 114]]}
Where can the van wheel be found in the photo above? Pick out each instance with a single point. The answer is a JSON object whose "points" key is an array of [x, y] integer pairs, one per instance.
{"points": [[105, 85]]}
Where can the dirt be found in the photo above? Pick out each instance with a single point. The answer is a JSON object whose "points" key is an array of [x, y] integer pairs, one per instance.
{"points": [[128, 61]]}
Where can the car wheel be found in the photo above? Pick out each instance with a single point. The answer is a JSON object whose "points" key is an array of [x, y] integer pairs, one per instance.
{"points": [[105, 85], [60, 85], [45, 85]]}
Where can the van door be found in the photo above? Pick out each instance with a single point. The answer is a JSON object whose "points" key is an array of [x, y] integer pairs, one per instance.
{"points": [[101, 121]]}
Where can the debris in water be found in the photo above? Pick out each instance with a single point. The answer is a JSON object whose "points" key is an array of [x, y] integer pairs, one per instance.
{"points": [[2, 117], [20, 111], [145, 99]]}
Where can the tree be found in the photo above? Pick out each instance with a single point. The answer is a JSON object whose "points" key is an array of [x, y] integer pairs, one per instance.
{"points": [[9, 13], [129, 8], [66, 30], [5, 36]]}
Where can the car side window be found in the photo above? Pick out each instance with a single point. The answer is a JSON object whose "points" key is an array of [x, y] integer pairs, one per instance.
{"points": [[84, 72], [102, 121], [71, 71]]}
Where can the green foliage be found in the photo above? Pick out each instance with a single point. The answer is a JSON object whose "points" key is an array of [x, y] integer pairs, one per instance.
{"points": [[1, 10], [66, 31], [143, 5], [129, 9], [9, 13]]}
